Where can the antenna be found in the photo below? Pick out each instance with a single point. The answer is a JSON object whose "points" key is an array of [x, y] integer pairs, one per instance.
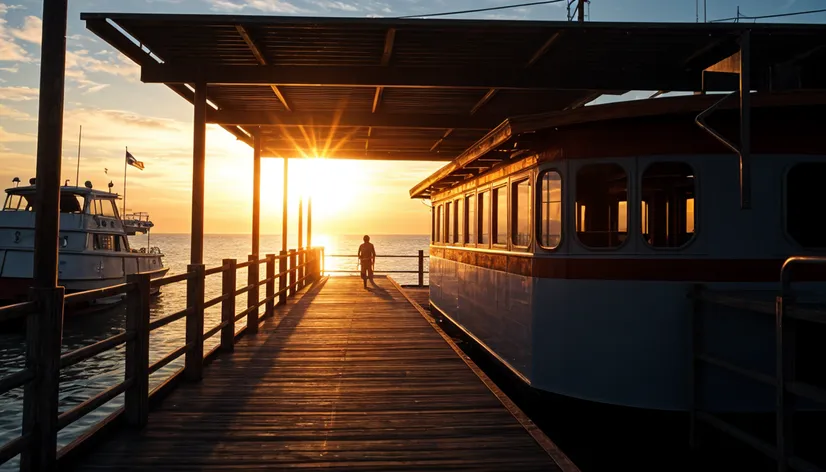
{"points": [[79, 137]]}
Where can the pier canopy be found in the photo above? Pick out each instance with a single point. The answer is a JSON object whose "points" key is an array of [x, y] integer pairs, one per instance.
{"points": [[414, 89]]}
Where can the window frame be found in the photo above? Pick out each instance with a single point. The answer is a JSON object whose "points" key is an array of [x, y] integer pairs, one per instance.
{"points": [[448, 235], [468, 241], [640, 200], [486, 190], [629, 186], [438, 229], [513, 212], [458, 221], [494, 217], [563, 214]]}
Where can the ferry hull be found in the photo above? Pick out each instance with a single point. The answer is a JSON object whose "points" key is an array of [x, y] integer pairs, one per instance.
{"points": [[617, 342]]}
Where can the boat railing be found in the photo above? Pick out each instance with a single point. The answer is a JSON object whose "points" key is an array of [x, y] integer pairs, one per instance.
{"points": [[285, 275], [788, 310], [419, 256]]}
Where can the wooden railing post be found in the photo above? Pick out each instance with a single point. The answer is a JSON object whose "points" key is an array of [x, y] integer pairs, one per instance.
{"points": [[282, 279], [252, 294], [270, 293], [293, 287], [44, 335], [228, 305], [323, 265], [194, 364], [136, 398], [302, 271], [421, 268]]}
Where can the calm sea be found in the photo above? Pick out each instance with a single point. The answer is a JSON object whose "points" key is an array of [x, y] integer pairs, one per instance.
{"points": [[84, 380]]}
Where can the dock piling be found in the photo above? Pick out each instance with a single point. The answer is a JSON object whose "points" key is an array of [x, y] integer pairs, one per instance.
{"points": [[194, 363], [270, 292], [228, 305], [252, 294], [136, 398]]}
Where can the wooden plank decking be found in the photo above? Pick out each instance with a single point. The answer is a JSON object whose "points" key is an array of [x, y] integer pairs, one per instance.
{"points": [[344, 379]]}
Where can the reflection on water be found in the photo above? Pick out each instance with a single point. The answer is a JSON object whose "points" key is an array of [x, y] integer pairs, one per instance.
{"points": [[84, 380]]}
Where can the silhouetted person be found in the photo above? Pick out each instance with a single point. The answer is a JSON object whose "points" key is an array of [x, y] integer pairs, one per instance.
{"points": [[367, 257]]}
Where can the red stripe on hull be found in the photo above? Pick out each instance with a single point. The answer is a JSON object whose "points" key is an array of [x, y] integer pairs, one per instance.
{"points": [[651, 269]]}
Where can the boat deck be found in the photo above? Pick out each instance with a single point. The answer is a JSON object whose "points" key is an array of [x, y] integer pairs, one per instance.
{"points": [[342, 378]]}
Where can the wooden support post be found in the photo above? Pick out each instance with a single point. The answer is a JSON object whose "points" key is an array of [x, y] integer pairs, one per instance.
{"points": [[256, 194], [301, 253], [198, 170], [252, 294], [282, 279], [785, 339], [194, 364], [228, 305], [293, 287], [284, 208], [270, 293], [136, 399], [323, 261], [49, 142], [421, 268], [44, 335], [309, 221]]}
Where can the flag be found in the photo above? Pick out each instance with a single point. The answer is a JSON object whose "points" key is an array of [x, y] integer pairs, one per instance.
{"points": [[130, 159]]}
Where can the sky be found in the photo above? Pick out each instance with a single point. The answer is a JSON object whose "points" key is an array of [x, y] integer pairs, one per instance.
{"points": [[104, 95]]}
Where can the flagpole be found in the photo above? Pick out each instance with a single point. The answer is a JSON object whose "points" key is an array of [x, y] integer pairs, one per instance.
{"points": [[79, 137], [125, 161]]}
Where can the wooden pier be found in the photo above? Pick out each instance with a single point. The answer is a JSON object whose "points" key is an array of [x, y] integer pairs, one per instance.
{"points": [[342, 377]]}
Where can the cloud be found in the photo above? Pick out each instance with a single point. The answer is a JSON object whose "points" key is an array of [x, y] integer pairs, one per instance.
{"points": [[10, 50], [272, 6], [12, 137], [336, 5], [31, 31], [19, 94], [7, 112], [80, 63]]}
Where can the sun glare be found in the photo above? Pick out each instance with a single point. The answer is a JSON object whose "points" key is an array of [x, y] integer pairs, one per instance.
{"points": [[334, 185]]}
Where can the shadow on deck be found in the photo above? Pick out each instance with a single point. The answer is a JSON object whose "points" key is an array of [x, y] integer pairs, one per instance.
{"points": [[344, 378]]}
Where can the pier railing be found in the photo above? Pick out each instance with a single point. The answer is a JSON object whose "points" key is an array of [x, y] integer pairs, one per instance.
{"points": [[420, 270], [37, 444], [788, 313]]}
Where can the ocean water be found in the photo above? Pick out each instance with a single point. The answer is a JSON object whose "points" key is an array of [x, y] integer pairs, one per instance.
{"points": [[84, 380]]}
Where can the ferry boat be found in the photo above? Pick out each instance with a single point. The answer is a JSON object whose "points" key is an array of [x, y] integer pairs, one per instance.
{"points": [[567, 244], [94, 247]]}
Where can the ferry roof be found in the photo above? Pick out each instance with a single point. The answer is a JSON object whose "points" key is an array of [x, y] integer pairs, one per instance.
{"points": [[414, 89], [66, 188], [518, 137]]}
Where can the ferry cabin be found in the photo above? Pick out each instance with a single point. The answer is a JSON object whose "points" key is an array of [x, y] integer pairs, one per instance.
{"points": [[572, 258], [94, 249]]}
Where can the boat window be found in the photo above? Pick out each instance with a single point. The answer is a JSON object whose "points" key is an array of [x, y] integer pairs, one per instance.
{"points": [[521, 213], [484, 226], [121, 245], [449, 223], [805, 201], [601, 188], [500, 215], [71, 203], [550, 219], [472, 223], [104, 242], [14, 202], [104, 208], [667, 211], [439, 224], [432, 224], [460, 221]]}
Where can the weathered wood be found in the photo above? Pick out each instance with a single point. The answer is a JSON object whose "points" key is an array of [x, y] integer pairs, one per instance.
{"points": [[44, 335], [136, 400], [292, 284], [341, 378], [228, 306], [421, 268], [256, 192], [198, 174], [282, 279], [270, 292], [194, 362], [252, 294], [301, 252]]}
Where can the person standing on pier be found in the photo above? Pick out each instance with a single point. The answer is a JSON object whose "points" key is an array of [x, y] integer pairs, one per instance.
{"points": [[367, 257]]}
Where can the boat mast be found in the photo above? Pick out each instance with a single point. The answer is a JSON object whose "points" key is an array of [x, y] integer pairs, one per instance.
{"points": [[79, 138], [125, 162]]}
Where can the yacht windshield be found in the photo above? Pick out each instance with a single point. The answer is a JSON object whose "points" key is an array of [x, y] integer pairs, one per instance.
{"points": [[69, 202]]}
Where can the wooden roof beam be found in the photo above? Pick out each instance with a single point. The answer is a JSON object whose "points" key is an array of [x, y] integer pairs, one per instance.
{"points": [[351, 119], [536, 56], [389, 40], [262, 60], [634, 78], [365, 155]]}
